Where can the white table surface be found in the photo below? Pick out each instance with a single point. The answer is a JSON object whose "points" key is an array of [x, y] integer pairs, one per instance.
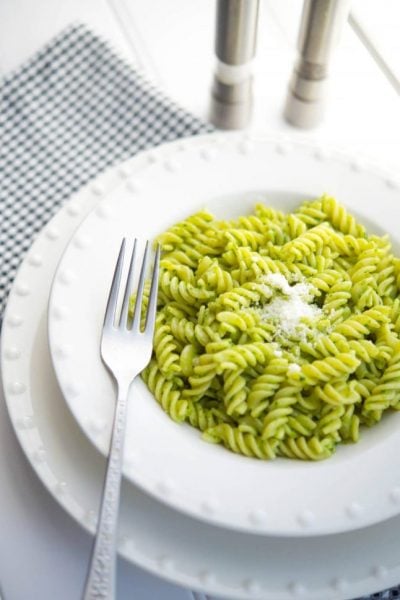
{"points": [[43, 553]]}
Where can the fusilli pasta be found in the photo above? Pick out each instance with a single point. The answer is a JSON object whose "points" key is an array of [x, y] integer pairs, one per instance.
{"points": [[277, 334]]}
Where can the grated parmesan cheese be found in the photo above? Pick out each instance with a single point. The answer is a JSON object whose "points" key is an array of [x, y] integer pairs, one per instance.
{"points": [[291, 307]]}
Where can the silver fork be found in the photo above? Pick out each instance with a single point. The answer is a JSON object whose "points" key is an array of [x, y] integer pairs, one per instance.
{"points": [[125, 351]]}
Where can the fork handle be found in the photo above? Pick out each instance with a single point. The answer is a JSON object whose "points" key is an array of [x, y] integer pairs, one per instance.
{"points": [[100, 582]]}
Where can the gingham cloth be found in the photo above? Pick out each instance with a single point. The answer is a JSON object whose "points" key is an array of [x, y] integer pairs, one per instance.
{"points": [[74, 109]]}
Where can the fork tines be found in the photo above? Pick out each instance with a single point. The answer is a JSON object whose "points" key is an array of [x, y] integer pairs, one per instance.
{"points": [[111, 318]]}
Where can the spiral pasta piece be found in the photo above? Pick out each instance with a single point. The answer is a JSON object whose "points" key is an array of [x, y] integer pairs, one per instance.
{"points": [[340, 218], [242, 443], [329, 368], [387, 391], [265, 386], [311, 213], [165, 392], [304, 448], [311, 241]]}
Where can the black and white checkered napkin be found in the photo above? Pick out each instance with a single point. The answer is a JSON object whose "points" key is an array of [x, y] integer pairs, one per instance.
{"points": [[74, 109]]}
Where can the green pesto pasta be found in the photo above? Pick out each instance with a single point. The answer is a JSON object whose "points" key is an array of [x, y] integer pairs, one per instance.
{"points": [[277, 334]]}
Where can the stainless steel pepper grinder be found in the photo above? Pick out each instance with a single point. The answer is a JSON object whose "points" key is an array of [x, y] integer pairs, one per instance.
{"points": [[235, 43], [320, 28]]}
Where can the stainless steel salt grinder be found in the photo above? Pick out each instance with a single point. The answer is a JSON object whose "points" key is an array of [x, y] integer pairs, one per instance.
{"points": [[235, 43], [320, 28]]}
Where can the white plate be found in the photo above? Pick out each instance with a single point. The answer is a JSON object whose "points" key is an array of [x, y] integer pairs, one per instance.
{"points": [[169, 460], [171, 545], [227, 175]]}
